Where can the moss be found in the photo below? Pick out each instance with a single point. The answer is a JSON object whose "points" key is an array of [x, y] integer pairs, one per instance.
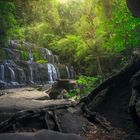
{"points": [[42, 61]]}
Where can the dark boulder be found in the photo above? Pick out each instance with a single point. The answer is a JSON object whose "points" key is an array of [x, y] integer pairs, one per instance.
{"points": [[61, 87]]}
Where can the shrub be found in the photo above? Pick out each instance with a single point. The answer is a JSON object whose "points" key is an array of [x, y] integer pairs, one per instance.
{"points": [[85, 85]]}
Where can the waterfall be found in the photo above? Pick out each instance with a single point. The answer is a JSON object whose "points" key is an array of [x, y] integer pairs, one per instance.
{"points": [[50, 78], [30, 66], [50, 56], [52, 73], [48, 52], [21, 71], [2, 72], [72, 72], [12, 74], [68, 72], [58, 72], [31, 74], [30, 56]]}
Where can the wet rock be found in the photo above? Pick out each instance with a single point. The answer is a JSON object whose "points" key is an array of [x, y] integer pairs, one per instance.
{"points": [[71, 122], [26, 63], [2, 84], [56, 92]]}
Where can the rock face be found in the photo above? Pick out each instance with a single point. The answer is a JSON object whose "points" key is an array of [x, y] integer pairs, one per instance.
{"points": [[111, 98], [24, 63], [61, 88]]}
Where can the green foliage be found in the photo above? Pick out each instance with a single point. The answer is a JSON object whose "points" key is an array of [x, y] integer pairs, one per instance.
{"points": [[36, 56], [42, 61], [71, 49], [85, 85], [24, 55], [7, 20], [84, 33]]}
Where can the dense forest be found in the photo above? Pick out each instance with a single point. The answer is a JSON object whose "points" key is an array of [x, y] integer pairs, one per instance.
{"points": [[94, 36], [97, 37]]}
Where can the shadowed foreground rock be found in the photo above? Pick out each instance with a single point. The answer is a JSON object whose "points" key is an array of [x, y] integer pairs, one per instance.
{"points": [[109, 99], [41, 135]]}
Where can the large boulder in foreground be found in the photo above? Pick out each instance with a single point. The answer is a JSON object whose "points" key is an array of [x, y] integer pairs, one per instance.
{"points": [[41, 135]]}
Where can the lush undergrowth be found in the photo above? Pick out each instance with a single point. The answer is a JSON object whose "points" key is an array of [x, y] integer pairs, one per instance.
{"points": [[85, 85]]}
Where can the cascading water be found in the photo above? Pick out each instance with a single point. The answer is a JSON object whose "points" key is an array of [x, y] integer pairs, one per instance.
{"points": [[31, 74], [52, 73], [12, 74], [58, 72], [21, 71], [31, 59], [68, 72], [48, 52], [56, 59], [7, 64], [72, 72], [50, 78], [53, 70]]}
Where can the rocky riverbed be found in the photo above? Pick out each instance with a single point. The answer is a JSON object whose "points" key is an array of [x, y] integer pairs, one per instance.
{"points": [[17, 99]]}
